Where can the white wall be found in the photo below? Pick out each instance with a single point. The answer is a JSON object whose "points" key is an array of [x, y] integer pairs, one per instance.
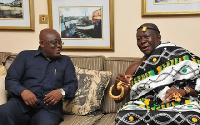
{"points": [[181, 30]]}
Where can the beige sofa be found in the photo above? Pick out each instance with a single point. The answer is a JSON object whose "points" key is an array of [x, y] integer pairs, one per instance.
{"points": [[105, 115]]}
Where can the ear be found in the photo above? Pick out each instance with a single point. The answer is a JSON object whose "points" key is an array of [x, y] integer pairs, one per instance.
{"points": [[41, 43], [159, 37]]}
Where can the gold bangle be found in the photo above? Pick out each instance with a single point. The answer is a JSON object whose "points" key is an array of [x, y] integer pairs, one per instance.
{"points": [[116, 97], [119, 85]]}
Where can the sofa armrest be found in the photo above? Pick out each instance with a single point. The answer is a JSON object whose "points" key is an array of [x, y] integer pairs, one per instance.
{"points": [[3, 57]]}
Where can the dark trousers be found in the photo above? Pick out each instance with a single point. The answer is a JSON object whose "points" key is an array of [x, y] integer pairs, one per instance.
{"points": [[11, 114]]}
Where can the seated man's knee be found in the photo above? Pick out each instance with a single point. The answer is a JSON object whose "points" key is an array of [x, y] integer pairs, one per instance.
{"points": [[5, 111], [44, 117], [10, 109]]}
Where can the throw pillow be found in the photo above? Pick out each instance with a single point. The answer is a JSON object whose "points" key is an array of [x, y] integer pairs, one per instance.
{"points": [[3, 92], [2, 70], [91, 87]]}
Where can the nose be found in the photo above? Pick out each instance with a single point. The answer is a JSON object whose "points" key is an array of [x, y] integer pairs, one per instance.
{"points": [[59, 45], [143, 40]]}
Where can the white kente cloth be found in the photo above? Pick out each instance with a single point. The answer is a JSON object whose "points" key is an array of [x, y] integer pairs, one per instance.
{"points": [[169, 65]]}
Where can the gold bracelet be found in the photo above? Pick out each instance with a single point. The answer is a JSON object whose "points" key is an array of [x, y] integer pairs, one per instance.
{"points": [[116, 97], [119, 85]]}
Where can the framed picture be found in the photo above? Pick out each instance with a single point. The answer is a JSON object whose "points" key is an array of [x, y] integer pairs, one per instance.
{"points": [[17, 15], [170, 7], [83, 24]]}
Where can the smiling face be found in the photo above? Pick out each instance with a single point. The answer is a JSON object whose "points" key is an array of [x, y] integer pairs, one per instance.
{"points": [[48, 49], [147, 40]]}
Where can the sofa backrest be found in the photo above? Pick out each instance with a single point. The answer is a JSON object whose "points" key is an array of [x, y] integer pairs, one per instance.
{"points": [[117, 65], [3, 57], [114, 64], [90, 62], [10, 59]]}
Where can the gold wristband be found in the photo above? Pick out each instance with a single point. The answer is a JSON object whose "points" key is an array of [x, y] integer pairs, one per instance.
{"points": [[118, 97]]}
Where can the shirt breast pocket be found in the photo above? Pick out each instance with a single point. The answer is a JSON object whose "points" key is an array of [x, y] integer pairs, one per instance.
{"points": [[33, 73]]}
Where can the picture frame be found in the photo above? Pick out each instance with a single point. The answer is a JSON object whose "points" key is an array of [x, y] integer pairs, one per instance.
{"points": [[84, 25], [170, 7], [17, 15]]}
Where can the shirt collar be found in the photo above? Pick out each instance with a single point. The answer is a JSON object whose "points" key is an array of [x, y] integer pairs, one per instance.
{"points": [[38, 52]]}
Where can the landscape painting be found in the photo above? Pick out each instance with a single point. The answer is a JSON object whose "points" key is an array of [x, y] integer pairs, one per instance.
{"points": [[84, 25], [11, 9], [170, 7], [81, 22]]}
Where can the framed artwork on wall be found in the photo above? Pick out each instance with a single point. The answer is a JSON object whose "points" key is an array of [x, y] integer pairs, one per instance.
{"points": [[84, 25], [170, 7], [17, 15]]}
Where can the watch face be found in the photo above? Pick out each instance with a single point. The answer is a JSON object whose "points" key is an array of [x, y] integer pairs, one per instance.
{"points": [[62, 92]]}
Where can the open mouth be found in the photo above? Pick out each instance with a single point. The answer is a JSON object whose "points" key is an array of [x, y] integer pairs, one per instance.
{"points": [[144, 48]]}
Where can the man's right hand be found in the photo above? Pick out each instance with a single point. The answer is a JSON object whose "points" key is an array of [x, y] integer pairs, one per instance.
{"points": [[125, 80], [29, 98]]}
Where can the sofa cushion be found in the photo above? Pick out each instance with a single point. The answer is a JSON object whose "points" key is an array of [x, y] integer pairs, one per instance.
{"points": [[3, 70], [81, 120], [3, 92], [108, 119], [91, 86]]}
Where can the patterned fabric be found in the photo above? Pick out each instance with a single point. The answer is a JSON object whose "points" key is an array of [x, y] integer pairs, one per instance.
{"points": [[169, 65], [91, 86], [3, 70], [3, 92], [147, 117]]}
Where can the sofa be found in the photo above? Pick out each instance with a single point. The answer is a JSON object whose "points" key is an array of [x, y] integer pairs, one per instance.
{"points": [[105, 113]]}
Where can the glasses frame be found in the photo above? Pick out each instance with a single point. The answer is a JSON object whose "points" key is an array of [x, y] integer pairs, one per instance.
{"points": [[54, 42]]}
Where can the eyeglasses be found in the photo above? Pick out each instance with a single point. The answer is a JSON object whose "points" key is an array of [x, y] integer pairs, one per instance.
{"points": [[55, 42]]}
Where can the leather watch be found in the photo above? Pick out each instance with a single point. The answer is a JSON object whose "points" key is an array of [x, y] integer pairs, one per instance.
{"points": [[62, 93]]}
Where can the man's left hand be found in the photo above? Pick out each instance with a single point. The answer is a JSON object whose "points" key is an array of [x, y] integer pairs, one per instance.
{"points": [[53, 97], [169, 96]]}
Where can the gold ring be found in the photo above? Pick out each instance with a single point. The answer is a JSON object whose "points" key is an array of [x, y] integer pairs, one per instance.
{"points": [[177, 96]]}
